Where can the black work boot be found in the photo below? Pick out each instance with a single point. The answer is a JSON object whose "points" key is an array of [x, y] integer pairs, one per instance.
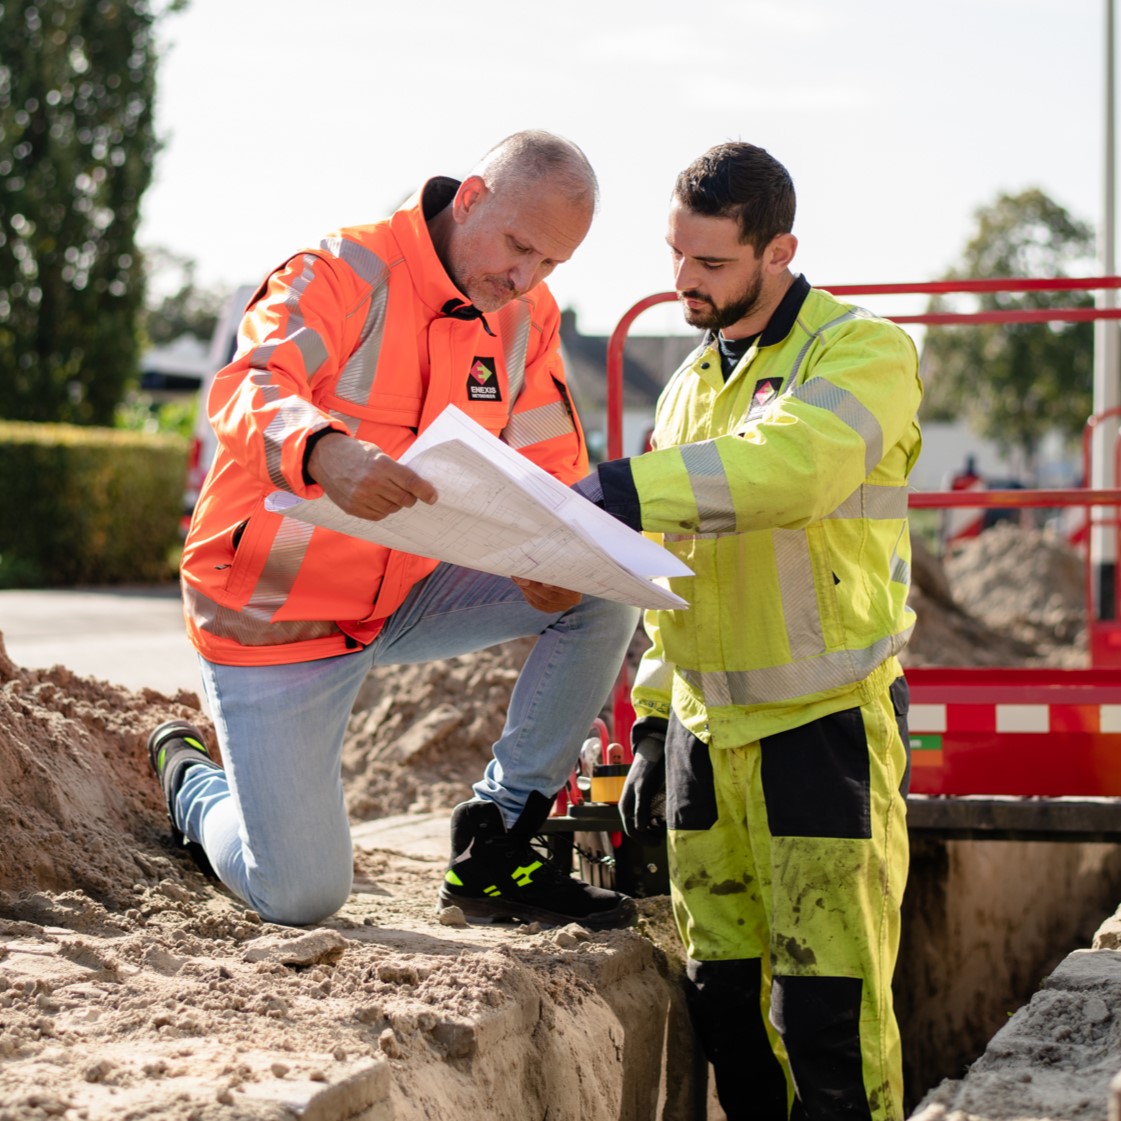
{"points": [[172, 748], [496, 873]]}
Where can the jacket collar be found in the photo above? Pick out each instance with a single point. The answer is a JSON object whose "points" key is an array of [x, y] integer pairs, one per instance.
{"points": [[782, 318], [433, 286]]}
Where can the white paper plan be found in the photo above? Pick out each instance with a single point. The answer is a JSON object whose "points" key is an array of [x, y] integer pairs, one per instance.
{"points": [[497, 511]]}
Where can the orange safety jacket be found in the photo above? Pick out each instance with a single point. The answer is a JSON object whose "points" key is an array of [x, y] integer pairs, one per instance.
{"points": [[359, 336]]}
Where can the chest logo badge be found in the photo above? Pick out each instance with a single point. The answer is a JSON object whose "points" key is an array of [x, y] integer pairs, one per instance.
{"points": [[482, 381], [764, 393]]}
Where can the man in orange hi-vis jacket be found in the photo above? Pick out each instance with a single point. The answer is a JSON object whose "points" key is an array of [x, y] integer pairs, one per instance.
{"points": [[345, 354]]}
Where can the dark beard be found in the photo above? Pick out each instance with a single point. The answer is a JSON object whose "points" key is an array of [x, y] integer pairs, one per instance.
{"points": [[720, 317]]}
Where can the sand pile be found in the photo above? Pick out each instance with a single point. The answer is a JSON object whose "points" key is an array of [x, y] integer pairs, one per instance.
{"points": [[133, 985], [1012, 596]]}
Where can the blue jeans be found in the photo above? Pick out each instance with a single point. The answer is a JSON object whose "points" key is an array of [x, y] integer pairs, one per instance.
{"points": [[273, 823]]}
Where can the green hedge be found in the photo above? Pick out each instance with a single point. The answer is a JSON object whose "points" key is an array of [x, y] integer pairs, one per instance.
{"points": [[87, 505]]}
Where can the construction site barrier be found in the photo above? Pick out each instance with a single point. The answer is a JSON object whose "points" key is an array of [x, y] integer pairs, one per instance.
{"points": [[1003, 749]]}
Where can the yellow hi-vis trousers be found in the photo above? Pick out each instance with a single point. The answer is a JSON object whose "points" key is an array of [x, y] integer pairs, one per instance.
{"points": [[788, 859]]}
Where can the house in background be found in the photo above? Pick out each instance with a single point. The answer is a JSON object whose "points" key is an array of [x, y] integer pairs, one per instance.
{"points": [[648, 362]]}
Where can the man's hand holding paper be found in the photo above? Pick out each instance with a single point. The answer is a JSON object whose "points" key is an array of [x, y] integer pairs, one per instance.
{"points": [[362, 480], [499, 512]]}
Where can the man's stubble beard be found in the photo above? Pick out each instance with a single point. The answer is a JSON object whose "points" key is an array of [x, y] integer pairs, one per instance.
{"points": [[725, 315]]}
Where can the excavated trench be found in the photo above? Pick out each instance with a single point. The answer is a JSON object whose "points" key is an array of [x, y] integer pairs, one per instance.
{"points": [[984, 922]]}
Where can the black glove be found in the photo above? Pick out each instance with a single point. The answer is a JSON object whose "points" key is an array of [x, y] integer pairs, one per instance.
{"points": [[642, 805], [589, 487]]}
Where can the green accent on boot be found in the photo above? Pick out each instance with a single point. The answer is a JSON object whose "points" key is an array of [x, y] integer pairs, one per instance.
{"points": [[499, 873], [523, 876]]}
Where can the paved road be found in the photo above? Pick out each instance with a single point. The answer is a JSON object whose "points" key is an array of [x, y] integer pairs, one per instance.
{"points": [[135, 637], [130, 636]]}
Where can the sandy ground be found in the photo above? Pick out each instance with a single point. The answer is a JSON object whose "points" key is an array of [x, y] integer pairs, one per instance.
{"points": [[133, 986]]}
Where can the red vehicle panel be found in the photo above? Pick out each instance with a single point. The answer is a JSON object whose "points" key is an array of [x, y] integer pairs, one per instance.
{"points": [[1028, 732]]}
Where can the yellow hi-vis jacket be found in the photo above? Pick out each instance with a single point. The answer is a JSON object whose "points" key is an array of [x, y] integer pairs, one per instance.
{"points": [[785, 491]]}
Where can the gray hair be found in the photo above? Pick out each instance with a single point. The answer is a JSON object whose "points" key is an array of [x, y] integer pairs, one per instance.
{"points": [[523, 160]]}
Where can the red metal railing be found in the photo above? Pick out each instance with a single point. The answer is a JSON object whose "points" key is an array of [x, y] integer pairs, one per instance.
{"points": [[1041, 735], [932, 288], [1105, 635]]}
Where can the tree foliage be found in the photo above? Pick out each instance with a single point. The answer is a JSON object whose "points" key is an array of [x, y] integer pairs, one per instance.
{"points": [[1015, 382], [189, 309], [77, 146]]}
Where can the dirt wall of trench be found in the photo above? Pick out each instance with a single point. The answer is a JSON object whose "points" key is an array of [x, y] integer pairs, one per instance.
{"points": [[983, 923]]}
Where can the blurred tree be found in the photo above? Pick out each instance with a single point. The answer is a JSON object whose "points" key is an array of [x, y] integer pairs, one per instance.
{"points": [[188, 310], [77, 145], [1015, 382]]}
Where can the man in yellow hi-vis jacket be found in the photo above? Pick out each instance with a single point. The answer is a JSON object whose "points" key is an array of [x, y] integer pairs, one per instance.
{"points": [[774, 709]]}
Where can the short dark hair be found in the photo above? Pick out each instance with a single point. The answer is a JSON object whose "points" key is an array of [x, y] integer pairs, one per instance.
{"points": [[744, 182]]}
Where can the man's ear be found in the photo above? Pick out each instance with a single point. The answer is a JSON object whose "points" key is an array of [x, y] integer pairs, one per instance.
{"points": [[779, 254], [471, 193]]}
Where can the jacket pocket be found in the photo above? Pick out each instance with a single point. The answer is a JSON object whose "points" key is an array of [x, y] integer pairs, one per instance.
{"points": [[244, 546], [391, 409]]}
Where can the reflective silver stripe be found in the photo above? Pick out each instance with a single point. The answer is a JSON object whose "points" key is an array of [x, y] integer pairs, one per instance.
{"points": [[842, 404], [711, 492], [873, 502], [367, 264], [799, 358], [253, 625], [869, 502], [535, 425], [656, 676], [676, 537], [798, 679], [312, 349], [293, 415], [516, 321], [900, 569], [844, 317], [286, 554], [814, 335], [823, 394], [796, 586], [357, 377]]}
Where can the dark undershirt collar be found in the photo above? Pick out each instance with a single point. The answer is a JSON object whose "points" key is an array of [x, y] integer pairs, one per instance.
{"points": [[778, 327]]}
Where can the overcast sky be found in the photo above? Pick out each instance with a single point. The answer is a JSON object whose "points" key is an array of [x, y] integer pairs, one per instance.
{"points": [[897, 119]]}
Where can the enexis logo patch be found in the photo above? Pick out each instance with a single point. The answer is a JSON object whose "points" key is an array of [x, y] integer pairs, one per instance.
{"points": [[764, 393], [482, 381]]}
